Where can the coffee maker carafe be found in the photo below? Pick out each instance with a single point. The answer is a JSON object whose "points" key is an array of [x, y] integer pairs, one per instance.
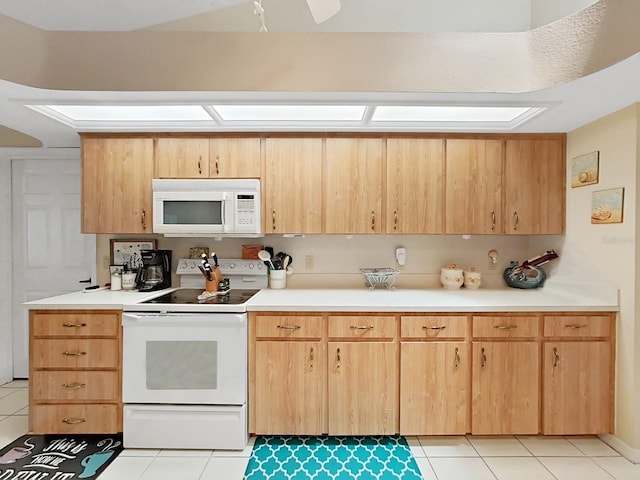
{"points": [[155, 272]]}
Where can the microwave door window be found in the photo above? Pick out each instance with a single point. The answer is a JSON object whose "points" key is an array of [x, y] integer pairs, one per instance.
{"points": [[193, 212]]}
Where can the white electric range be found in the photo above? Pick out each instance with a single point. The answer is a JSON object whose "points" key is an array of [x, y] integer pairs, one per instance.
{"points": [[185, 362]]}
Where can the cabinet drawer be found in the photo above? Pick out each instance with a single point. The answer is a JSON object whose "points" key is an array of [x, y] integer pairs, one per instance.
{"points": [[369, 327], [433, 326], [577, 326], [75, 353], [75, 324], [74, 419], [505, 327], [268, 326], [65, 386]]}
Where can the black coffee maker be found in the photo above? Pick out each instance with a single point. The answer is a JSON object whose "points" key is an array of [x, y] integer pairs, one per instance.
{"points": [[155, 272]]}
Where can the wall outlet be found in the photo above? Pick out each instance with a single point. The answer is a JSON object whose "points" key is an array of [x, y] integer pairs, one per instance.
{"points": [[309, 262]]}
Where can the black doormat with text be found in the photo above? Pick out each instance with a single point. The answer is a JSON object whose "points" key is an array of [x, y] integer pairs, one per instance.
{"points": [[58, 457]]}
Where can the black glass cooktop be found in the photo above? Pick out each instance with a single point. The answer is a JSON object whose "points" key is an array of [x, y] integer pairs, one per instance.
{"points": [[190, 296]]}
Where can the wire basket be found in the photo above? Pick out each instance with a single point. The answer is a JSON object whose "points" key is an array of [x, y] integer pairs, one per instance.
{"points": [[376, 277]]}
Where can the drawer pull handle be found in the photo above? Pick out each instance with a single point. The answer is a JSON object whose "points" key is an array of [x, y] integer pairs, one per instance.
{"points": [[73, 421], [556, 357], [289, 327], [456, 360], [484, 358], [74, 325], [493, 220], [434, 328], [311, 359], [505, 327], [575, 326], [74, 354], [361, 327], [338, 359], [73, 386]]}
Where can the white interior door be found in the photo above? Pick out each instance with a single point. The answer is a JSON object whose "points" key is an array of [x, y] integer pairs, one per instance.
{"points": [[50, 255]]}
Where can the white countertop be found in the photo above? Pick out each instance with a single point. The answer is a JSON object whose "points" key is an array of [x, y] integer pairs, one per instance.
{"points": [[552, 297], [556, 298], [103, 299]]}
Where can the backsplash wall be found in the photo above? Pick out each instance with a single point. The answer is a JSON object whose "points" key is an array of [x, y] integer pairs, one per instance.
{"points": [[338, 258]]}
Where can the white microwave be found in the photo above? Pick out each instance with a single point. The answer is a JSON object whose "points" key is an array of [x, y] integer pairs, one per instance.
{"points": [[207, 208]]}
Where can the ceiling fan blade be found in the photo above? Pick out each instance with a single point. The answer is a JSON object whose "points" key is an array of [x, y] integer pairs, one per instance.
{"points": [[323, 10]]}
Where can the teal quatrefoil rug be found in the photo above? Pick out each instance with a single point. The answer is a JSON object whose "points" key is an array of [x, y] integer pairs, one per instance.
{"points": [[332, 458]]}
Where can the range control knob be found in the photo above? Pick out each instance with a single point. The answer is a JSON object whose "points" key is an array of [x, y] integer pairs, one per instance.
{"points": [[251, 265], [232, 266], [260, 265]]}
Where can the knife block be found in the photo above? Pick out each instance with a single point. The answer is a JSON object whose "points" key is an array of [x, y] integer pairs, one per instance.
{"points": [[213, 285]]}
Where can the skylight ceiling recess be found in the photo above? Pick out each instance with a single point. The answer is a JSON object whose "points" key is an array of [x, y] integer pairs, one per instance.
{"points": [[238, 117]]}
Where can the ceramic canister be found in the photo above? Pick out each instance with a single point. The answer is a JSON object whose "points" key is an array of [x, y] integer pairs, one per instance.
{"points": [[472, 279], [451, 277]]}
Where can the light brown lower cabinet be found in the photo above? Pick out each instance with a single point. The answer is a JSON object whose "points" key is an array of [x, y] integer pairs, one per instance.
{"points": [[505, 388], [75, 371], [438, 374], [434, 388], [290, 394], [363, 390], [577, 376]]}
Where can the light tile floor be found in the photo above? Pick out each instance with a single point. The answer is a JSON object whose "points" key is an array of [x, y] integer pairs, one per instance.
{"points": [[439, 458]]}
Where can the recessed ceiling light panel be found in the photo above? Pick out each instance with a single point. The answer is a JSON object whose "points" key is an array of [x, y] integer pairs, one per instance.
{"points": [[419, 113], [131, 113], [292, 113]]}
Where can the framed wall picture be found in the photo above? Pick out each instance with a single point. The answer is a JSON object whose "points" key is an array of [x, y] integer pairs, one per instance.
{"points": [[607, 206], [128, 251], [585, 169]]}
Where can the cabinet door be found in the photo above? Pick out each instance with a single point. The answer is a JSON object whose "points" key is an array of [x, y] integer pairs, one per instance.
{"points": [[577, 388], [363, 388], [473, 186], [534, 187], [116, 185], [290, 398], [415, 185], [182, 158], [353, 186], [234, 157], [434, 388], [505, 388], [293, 185]]}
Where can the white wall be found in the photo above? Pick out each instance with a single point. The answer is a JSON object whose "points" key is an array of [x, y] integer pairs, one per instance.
{"points": [[547, 11], [612, 249], [6, 350]]}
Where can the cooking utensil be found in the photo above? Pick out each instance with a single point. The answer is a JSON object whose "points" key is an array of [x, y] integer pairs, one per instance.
{"points": [[286, 261], [266, 257]]}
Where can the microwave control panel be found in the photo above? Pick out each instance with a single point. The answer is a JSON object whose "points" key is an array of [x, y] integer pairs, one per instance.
{"points": [[246, 209]]}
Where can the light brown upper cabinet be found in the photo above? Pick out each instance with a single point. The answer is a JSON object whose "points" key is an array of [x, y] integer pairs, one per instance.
{"points": [[353, 185], [293, 185], [534, 186], [116, 185], [414, 185], [182, 158], [234, 157], [473, 191]]}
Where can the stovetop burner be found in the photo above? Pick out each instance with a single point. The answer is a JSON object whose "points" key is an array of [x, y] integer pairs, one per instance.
{"points": [[189, 296]]}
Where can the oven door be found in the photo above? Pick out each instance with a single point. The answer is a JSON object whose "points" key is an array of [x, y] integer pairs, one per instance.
{"points": [[184, 358]]}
